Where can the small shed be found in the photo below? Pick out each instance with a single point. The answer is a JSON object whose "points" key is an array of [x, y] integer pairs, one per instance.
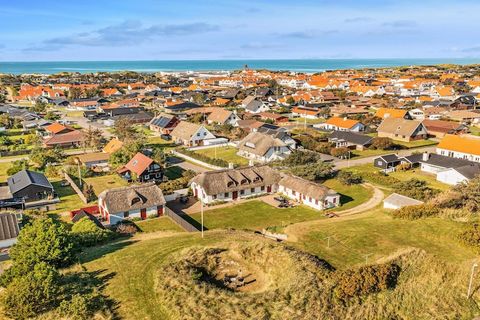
{"points": [[9, 229], [397, 201]]}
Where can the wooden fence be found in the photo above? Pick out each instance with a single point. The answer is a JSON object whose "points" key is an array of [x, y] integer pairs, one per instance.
{"points": [[180, 220], [75, 187]]}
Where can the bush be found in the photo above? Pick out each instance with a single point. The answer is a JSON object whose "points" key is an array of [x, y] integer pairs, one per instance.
{"points": [[341, 152], [348, 178], [76, 309], [32, 293], [126, 228], [366, 280], [88, 234], [379, 177], [379, 143], [471, 237], [416, 189], [416, 212]]}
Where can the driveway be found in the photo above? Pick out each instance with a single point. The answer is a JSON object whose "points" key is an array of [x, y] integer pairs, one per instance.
{"points": [[84, 123], [341, 164], [172, 160]]}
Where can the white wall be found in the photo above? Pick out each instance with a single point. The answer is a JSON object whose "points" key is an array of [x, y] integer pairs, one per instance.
{"points": [[456, 154], [450, 177]]}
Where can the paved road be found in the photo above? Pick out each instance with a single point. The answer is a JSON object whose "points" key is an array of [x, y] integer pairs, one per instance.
{"points": [[356, 162], [176, 161], [81, 121]]}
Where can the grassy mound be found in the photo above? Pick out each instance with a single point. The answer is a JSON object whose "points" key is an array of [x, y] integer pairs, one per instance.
{"points": [[185, 277]]}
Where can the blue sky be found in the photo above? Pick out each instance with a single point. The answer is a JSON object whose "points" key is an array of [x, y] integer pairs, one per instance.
{"points": [[51, 30]]}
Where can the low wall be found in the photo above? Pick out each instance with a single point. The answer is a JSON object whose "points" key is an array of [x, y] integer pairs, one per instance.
{"points": [[75, 187], [228, 144], [201, 163], [180, 221]]}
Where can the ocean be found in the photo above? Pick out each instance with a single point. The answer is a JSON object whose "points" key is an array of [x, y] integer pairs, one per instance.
{"points": [[304, 65]]}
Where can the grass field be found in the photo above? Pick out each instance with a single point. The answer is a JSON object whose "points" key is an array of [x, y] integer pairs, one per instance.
{"points": [[4, 166], [356, 154], [102, 183], [158, 224], [415, 173], [228, 154], [416, 144], [69, 200], [378, 234], [255, 215], [174, 172]]}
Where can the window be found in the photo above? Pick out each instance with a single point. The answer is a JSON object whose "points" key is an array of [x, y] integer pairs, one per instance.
{"points": [[226, 194], [126, 214], [214, 197], [198, 134], [242, 192], [262, 188], [252, 190], [334, 200], [204, 134], [230, 183]]}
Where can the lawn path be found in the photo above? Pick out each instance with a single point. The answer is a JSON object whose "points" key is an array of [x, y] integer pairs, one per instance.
{"points": [[296, 231]]}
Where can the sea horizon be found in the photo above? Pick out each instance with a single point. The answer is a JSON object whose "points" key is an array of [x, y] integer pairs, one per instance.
{"points": [[217, 65]]}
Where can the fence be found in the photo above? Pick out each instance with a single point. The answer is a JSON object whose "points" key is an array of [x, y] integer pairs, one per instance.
{"points": [[179, 220], [211, 146], [75, 187], [201, 163]]}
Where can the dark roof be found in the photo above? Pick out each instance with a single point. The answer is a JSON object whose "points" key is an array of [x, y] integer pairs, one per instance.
{"points": [[355, 138], [161, 121], [24, 178], [443, 161], [183, 106], [389, 158], [8, 226], [469, 171]]}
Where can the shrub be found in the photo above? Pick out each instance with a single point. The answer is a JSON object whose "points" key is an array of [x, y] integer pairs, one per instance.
{"points": [[366, 280], [88, 234], [379, 143], [471, 236], [126, 228], [76, 309], [379, 177], [341, 152], [416, 189], [416, 212], [32, 293], [348, 178]]}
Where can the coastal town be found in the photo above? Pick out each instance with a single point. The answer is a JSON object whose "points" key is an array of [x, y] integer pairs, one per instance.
{"points": [[352, 166]]}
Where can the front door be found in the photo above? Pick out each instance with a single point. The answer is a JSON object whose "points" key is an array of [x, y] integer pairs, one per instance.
{"points": [[143, 214], [269, 189], [234, 195]]}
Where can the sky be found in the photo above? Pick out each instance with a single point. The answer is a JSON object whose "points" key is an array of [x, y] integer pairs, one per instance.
{"points": [[49, 30]]}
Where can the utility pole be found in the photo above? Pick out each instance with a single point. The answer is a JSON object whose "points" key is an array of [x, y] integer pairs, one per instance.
{"points": [[79, 174], [201, 202], [366, 257], [469, 292]]}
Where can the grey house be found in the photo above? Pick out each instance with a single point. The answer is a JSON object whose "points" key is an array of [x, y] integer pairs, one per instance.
{"points": [[30, 186]]}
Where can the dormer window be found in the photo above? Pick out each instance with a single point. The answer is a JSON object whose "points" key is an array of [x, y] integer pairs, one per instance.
{"points": [[230, 184], [135, 200], [244, 181]]}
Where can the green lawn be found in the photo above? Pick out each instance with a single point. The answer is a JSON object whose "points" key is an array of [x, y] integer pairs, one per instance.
{"points": [[474, 130], [174, 172], [69, 200], [416, 144], [351, 196], [4, 166], [158, 224], [379, 235], [255, 215], [228, 154], [368, 153], [102, 183]]}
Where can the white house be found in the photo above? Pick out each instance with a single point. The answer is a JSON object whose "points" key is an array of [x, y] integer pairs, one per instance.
{"points": [[190, 134], [308, 193], [137, 201], [256, 106], [341, 124], [417, 114], [263, 147], [459, 146], [233, 184]]}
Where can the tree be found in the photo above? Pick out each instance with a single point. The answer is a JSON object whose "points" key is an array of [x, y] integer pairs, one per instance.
{"points": [[39, 106], [290, 101], [379, 143], [315, 171], [87, 233], [88, 192], [5, 121], [159, 157], [45, 240], [51, 116], [124, 130], [417, 189], [31, 293], [75, 93], [348, 178], [341, 152], [41, 157], [18, 166], [93, 138]]}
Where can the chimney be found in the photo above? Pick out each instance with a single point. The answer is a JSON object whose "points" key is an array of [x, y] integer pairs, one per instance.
{"points": [[230, 165], [251, 163], [425, 156]]}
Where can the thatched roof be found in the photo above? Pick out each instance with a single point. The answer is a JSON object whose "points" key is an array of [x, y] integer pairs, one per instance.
{"points": [[132, 197], [399, 126], [185, 130], [215, 182], [308, 188], [259, 143]]}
